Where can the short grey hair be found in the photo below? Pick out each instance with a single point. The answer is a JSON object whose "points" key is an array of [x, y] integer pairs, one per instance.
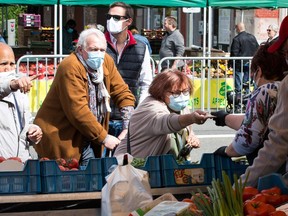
{"points": [[274, 27], [86, 33]]}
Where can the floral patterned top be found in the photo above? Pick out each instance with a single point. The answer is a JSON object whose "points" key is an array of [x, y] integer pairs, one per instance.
{"points": [[254, 128]]}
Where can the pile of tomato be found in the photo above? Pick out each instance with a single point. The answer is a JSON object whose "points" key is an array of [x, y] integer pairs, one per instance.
{"points": [[65, 165], [264, 202]]}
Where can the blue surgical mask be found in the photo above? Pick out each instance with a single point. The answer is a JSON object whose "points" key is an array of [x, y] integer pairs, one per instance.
{"points": [[178, 103], [69, 30], [95, 59]]}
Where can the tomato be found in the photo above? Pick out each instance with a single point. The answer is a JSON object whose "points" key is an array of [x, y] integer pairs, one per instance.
{"points": [[187, 200], [255, 208], [273, 190], [259, 197], [72, 163], [44, 159], [2, 159], [284, 198], [15, 158], [249, 192], [277, 213], [62, 168], [61, 161], [270, 208], [273, 199]]}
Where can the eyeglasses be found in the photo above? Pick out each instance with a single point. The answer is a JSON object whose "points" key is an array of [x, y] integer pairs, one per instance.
{"points": [[268, 30], [178, 93], [115, 17]]}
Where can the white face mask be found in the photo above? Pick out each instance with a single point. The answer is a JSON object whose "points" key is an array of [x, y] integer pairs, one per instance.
{"points": [[7, 74], [115, 27]]}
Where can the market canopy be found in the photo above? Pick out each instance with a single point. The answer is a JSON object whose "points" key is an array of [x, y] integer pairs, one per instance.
{"points": [[29, 2], [139, 3], [248, 4]]}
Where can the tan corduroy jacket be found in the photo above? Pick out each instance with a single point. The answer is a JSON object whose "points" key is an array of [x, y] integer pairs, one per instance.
{"points": [[65, 117]]}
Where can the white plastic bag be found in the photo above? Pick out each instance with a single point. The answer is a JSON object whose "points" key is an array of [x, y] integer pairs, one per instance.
{"points": [[127, 189]]}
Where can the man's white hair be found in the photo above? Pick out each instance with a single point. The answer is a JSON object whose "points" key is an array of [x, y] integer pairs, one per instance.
{"points": [[91, 31]]}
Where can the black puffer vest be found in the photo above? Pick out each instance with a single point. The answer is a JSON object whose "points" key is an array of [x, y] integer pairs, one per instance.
{"points": [[129, 67]]}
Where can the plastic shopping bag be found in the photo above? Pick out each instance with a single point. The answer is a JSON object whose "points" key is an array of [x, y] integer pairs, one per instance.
{"points": [[126, 190]]}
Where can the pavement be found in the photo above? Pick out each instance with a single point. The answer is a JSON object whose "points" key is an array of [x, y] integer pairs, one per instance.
{"points": [[211, 137]]}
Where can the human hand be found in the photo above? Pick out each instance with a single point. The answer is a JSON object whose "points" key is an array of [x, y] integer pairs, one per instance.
{"points": [[200, 117], [220, 117], [111, 142], [122, 134], [193, 141], [221, 151], [23, 83], [34, 134]]}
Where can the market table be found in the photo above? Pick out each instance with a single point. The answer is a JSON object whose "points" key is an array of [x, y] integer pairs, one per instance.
{"points": [[86, 203]]}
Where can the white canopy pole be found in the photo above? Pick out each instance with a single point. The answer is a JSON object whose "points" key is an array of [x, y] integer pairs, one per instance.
{"points": [[55, 28], [204, 55], [60, 29]]}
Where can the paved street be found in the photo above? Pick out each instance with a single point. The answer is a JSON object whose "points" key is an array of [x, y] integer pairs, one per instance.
{"points": [[211, 137]]}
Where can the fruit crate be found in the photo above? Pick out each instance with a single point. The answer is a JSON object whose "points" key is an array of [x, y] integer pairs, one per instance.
{"points": [[174, 174], [229, 166], [152, 166], [272, 180], [54, 180], [22, 182]]}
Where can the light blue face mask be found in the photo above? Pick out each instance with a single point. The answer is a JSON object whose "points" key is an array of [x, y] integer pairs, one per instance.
{"points": [[179, 103], [69, 30], [95, 59]]}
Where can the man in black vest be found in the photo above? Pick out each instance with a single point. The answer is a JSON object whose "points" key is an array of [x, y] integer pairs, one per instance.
{"points": [[132, 60]]}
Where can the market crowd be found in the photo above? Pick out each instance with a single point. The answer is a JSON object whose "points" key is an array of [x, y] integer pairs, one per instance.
{"points": [[104, 99]]}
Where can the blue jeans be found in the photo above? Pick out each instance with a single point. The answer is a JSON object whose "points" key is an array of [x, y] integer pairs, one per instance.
{"points": [[86, 155], [241, 77]]}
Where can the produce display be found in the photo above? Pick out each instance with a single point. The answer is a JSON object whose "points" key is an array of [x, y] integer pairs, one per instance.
{"points": [[218, 69], [65, 165], [43, 70], [224, 199]]}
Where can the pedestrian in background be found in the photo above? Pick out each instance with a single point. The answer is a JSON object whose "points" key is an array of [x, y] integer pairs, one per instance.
{"points": [[69, 35], [243, 44], [272, 32], [172, 44], [139, 37], [132, 60], [17, 135]]}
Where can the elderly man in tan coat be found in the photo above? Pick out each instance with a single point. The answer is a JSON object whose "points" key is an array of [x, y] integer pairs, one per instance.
{"points": [[75, 113]]}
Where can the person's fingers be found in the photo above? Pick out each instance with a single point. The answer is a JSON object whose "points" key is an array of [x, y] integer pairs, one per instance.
{"points": [[34, 77]]}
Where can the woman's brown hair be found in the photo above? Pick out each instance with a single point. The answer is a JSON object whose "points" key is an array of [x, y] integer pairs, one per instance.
{"points": [[165, 81]]}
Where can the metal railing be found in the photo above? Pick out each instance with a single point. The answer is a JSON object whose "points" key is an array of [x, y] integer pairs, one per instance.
{"points": [[213, 80]]}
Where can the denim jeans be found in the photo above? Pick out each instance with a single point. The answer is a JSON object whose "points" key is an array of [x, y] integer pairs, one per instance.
{"points": [[241, 77], [86, 155]]}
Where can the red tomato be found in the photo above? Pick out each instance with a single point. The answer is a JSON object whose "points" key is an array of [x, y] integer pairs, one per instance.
{"points": [[2, 159], [255, 208], [15, 158], [270, 208], [273, 190], [249, 192], [61, 161], [259, 197], [273, 199], [62, 168], [44, 159], [72, 163], [284, 198], [277, 213]]}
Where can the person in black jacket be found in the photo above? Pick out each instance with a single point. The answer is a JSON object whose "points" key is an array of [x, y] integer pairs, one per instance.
{"points": [[243, 44]]}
